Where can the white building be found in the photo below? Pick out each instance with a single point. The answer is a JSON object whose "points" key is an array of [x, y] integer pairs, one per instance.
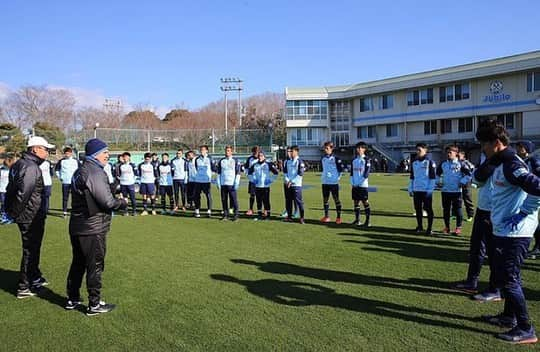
{"points": [[437, 107]]}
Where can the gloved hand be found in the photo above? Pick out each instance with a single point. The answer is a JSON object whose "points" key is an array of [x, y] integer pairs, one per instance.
{"points": [[514, 221], [236, 186], [429, 193]]}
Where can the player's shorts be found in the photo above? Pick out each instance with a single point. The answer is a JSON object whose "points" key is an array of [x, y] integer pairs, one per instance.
{"points": [[147, 189], [360, 193], [251, 189]]}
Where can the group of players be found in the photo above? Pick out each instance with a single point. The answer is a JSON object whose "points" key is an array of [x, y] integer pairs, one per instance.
{"points": [[505, 221]]}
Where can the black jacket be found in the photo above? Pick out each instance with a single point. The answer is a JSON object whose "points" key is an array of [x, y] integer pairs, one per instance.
{"points": [[23, 193], [92, 201]]}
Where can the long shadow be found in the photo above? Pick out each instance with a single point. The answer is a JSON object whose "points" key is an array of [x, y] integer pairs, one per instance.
{"points": [[399, 214], [300, 294], [422, 239], [412, 250], [8, 283], [411, 284]]}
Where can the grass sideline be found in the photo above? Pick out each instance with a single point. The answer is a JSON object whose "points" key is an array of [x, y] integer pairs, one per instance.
{"points": [[185, 284]]}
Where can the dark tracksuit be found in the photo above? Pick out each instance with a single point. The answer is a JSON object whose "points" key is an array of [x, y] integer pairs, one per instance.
{"points": [[514, 215], [89, 223], [24, 204], [228, 179], [293, 170]]}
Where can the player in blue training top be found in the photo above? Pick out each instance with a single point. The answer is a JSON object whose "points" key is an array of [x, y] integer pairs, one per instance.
{"points": [[293, 172], [164, 171], [127, 174], [263, 173], [65, 168], [284, 213], [525, 149], [421, 186], [332, 167], [180, 178], [204, 167], [191, 178], [453, 175], [252, 159], [515, 200], [148, 175], [360, 169], [228, 170]]}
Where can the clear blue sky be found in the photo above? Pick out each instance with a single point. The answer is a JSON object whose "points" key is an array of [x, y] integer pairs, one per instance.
{"points": [[168, 52]]}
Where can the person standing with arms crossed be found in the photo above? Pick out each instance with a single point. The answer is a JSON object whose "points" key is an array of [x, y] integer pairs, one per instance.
{"points": [[24, 204]]}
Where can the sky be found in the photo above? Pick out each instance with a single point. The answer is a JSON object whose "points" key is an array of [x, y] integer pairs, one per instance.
{"points": [[170, 53]]}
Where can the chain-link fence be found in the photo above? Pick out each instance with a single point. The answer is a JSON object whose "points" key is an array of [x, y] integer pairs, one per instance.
{"points": [[158, 140]]}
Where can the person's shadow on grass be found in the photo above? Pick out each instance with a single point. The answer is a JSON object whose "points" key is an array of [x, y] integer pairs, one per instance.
{"points": [[300, 294], [8, 283], [410, 284]]}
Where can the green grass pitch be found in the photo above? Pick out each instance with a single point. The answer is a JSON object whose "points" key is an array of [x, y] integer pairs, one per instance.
{"points": [[186, 284]]}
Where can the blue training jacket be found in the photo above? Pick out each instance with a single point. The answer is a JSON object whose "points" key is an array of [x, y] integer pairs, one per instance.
{"points": [[423, 175], [332, 167], [515, 190], [204, 167], [65, 169], [263, 174], [454, 174], [165, 170], [228, 172], [360, 169], [180, 169], [293, 171]]}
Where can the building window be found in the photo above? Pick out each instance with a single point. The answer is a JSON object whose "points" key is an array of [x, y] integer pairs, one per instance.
{"points": [[420, 97], [533, 81], [340, 139], [430, 127], [365, 132], [386, 102], [366, 104], [442, 94], [446, 126], [340, 115], [391, 130], [507, 120], [461, 91], [426, 96], [413, 98], [465, 125], [306, 136], [307, 110]]}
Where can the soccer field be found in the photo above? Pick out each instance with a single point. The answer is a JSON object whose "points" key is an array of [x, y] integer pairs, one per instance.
{"points": [[186, 284]]}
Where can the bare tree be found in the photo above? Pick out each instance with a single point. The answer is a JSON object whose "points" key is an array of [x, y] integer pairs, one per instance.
{"points": [[31, 104]]}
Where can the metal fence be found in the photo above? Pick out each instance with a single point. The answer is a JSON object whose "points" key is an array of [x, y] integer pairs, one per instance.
{"points": [[157, 140]]}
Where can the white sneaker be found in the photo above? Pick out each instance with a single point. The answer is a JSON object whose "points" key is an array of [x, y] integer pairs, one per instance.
{"points": [[144, 213], [209, 213]]}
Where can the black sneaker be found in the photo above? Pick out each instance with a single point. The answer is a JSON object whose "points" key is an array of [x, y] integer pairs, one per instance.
{"points": [[235, 218], [366, 224], [25, 293], [465, 287], [419, 230], [72, 304], [535, 253], [429, 232], [500, 320], [40, 282], [518, 336], [224, 218], [101, 308]]}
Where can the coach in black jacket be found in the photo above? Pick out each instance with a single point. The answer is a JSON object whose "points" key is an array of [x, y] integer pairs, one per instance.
{"points": [[23, 203], [92, 204]]}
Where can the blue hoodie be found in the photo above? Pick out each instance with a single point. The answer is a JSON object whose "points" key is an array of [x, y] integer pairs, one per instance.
{"points": [[515, 190], [422, 177], [332, 167], [454, 174], [360, 169]]}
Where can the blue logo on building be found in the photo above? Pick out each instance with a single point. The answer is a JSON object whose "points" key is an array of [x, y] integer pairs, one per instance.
{"points": [[497, 95]]}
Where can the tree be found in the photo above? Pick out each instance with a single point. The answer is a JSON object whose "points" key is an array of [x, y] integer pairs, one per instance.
{"points": [[144, 119], [11, 138], [51, 133], [31, 104]]}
